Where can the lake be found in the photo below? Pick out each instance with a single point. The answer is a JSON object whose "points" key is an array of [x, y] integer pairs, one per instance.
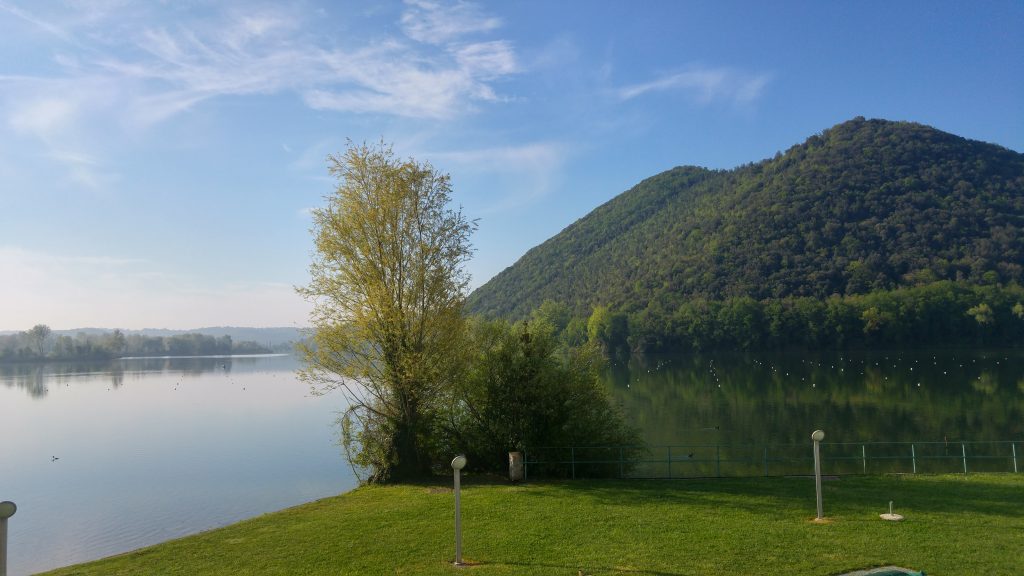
{"points": [[153, 449], [897, 396]]}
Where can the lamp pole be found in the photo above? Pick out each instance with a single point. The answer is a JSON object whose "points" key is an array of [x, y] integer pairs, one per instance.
{"points": [[817, 436], [458, 463], [7, 509]]}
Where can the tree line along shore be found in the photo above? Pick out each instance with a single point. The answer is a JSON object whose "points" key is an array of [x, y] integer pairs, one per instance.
{"points": [[41, 344]]}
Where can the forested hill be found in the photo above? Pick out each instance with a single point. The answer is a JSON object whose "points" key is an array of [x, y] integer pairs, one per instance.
{"points": [[867, 205]]}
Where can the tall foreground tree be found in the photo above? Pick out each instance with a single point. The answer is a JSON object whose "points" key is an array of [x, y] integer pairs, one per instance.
{"points": [[388, 286]]}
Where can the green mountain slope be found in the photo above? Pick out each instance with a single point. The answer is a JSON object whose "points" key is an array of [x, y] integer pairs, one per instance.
{"points": [[867, 205]]}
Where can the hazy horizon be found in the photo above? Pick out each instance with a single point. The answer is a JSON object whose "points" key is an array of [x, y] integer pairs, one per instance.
{"points": [[4, 330]]}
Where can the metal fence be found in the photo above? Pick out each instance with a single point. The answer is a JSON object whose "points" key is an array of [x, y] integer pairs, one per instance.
{"points": [[729, 460]]}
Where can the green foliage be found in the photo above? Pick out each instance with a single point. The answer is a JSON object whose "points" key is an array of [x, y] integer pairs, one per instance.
{"points": [[608, 330], [387, 286], [939, 314], [42, 344], [981, 313], [867, 206], [524, 389]]}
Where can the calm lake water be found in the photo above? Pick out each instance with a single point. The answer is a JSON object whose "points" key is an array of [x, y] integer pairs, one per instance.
{"points": [[153, 449], [909, 396]]}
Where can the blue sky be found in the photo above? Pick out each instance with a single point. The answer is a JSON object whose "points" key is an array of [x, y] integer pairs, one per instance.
{"points": [[158, 160]]}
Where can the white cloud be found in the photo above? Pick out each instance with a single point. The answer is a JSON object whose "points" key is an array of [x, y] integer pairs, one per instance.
{"points": [[439, 23], [704, 85]]}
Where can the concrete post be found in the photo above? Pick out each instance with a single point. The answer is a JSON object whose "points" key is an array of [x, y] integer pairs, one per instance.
{"points": [[7, 509], [515, 466], [817, 437], [458, 463]]}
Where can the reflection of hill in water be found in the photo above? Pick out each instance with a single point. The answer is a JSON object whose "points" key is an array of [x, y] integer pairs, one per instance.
{"points": [[894, 396], [36, 378]]}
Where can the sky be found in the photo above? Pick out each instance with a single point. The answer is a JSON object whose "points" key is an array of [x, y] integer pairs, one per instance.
{"points": [[159, 160]]}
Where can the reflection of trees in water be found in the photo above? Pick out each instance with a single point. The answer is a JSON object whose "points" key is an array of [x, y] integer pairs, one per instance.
{"points": [[116, 376], [858, 396], [187, 366], [30, 377], [35, 378]]}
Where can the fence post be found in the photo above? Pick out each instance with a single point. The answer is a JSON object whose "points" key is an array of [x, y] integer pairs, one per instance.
{"points": [[864, 459], [963, 450], [765, 461], [1014, 448], [718, 460], [620, 462], [913, 458], [572, 460], [670, 462]]}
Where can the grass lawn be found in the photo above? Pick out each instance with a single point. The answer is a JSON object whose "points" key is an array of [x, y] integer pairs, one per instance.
{"points": [[954, 525]]}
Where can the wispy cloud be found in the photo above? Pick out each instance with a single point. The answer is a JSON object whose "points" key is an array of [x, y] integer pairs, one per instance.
{"points": [[160, 68], [527, 172], [440, 23], [27, 16], [84, 169], [42, 117], [52, 112], [173, 68], [704, 85]]}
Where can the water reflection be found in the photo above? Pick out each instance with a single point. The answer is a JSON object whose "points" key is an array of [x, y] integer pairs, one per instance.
{"points": [[111, 456], [865, 396], [36, 378]]}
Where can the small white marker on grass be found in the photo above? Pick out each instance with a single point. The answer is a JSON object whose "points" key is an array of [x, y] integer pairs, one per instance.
{"points": [[890, 515]]}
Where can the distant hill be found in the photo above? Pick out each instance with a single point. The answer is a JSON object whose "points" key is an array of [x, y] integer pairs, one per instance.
{"points": [[867, 205], [269, 337]]}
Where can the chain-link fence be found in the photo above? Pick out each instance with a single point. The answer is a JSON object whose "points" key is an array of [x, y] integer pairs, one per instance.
{"points": [[728, 460]]}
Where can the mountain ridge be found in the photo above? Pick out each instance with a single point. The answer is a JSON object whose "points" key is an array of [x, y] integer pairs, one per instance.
{"points": [[865, 205]]}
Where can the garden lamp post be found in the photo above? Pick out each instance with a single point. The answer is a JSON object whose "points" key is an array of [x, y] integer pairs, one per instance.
{"points": [[817, 436], [7, 509], [458, 463]]}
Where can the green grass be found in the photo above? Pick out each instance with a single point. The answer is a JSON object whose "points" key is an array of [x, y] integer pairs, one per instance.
{"points": [[954, 525]]}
